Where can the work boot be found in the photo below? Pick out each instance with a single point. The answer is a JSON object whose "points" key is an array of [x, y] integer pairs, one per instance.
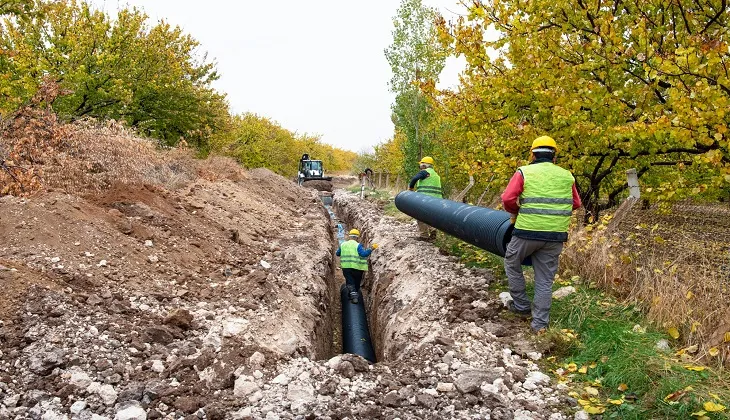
{"points": [[354, 298], [521, 313]]}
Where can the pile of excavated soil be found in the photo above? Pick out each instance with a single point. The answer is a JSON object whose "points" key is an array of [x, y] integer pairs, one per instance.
{"points": [[141, 302], [318, 185], [212, 297]]}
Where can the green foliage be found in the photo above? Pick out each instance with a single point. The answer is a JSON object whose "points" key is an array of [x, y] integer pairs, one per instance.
{"points": [[150, 77], [470, 255], [415, 58], [623, 85], [257, 141], [618, 355], [15, 7]]}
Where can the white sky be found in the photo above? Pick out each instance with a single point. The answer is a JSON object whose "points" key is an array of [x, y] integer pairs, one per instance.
{"points": [[314, 66]]}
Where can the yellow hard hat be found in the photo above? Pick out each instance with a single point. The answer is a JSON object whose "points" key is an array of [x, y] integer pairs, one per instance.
{"points": [[355, 232], [544, 141], [427, 159]]}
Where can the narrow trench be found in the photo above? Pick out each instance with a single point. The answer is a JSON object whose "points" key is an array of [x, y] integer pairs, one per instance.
{"points": [[335, 280]]}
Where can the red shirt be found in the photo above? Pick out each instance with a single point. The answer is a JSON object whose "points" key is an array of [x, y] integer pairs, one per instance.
{"points": [[511, 194]]}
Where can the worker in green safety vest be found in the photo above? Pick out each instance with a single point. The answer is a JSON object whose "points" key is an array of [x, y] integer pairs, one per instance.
{"points": [[428, 182], [354, 262], [541, 197]]}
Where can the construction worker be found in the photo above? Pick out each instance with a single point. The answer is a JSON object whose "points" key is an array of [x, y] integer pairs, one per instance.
{"points": [[428, 182], [541, 197], [354, 262]]}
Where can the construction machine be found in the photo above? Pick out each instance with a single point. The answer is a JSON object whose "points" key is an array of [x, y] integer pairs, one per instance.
{"points": [[311, 170]]}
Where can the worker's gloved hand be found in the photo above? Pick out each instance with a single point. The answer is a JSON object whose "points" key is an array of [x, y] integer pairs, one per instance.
{"points": [[513, 218], [374, 246]]}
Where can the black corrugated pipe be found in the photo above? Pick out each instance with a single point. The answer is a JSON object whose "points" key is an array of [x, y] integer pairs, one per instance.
{"points": [[488, 229], [355, 333]]}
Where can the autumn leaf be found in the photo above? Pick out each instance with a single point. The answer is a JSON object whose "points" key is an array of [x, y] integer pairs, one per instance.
{"points": [[616, 402], [591, 409], [673, 332], [591, 391], [583, 369], [714, 352], [694, 368], [674, 397], [713, 407]]}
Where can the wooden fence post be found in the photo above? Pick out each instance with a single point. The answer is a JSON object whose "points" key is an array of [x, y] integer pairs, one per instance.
{"points": [[462, 194]]}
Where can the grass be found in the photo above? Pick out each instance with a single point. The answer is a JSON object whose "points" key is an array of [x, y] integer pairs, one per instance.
{"points": [[605, 350], [470, 255], [618, 352]]}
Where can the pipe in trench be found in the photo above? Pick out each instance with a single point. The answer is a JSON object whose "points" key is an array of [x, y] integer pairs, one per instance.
{"points": [[490, 230], [355, 333]]}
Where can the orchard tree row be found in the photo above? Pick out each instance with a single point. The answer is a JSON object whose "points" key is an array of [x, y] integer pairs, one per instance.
{"points": [[619, 84], [152, 77]]}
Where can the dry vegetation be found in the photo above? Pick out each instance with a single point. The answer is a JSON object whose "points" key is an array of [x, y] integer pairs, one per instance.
{"points": [[673, 263], [38, 151]]}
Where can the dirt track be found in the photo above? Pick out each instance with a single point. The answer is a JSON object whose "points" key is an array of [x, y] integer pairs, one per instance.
{"points": [[216, 301]]}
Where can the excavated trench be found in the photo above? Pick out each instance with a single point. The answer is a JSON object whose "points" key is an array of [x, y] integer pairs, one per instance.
{"points": [[355, 335]]}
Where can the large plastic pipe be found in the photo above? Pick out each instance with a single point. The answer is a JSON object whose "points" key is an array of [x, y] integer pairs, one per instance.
{"points": [[488, 229], [355, 332]]}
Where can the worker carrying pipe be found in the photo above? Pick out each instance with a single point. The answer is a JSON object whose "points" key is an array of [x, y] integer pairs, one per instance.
{"points": [[541, 198], [428, 182], [354, 262]]}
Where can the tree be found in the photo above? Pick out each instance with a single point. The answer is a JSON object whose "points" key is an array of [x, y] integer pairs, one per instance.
{"points": [[415, 57], [150, 77], [619, 84], [257, 141]]}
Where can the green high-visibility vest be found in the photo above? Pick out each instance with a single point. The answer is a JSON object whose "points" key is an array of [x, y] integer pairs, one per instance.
{"points": [[349, 258], [546, 203], [431, 185]]}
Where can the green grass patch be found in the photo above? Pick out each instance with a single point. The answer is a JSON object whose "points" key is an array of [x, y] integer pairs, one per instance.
{"points": [[597, 344], [604, 351], [470, 255]]}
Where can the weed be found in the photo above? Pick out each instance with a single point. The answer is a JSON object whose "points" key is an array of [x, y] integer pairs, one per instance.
{"points": [[470, 255], [669, 264], [617, 355]]}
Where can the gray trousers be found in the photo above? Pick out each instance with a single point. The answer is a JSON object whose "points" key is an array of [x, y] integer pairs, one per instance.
{"points": [[545, 257]]}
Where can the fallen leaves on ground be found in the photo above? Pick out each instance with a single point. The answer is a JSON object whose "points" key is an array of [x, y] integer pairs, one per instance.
{"points": [[673, 332], [713, 407], [674, 397]]}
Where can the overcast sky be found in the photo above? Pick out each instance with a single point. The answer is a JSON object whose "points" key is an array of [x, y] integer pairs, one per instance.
{"points": [[314, 66]]}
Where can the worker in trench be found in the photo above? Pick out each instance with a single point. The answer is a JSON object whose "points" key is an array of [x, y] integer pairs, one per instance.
{"points": [[354, 262], [541, 197], [428, 182]]}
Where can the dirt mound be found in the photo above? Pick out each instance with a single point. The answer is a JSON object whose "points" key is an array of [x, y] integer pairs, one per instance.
{"points": [[318, 185], [148, 278], [430, 313]]}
